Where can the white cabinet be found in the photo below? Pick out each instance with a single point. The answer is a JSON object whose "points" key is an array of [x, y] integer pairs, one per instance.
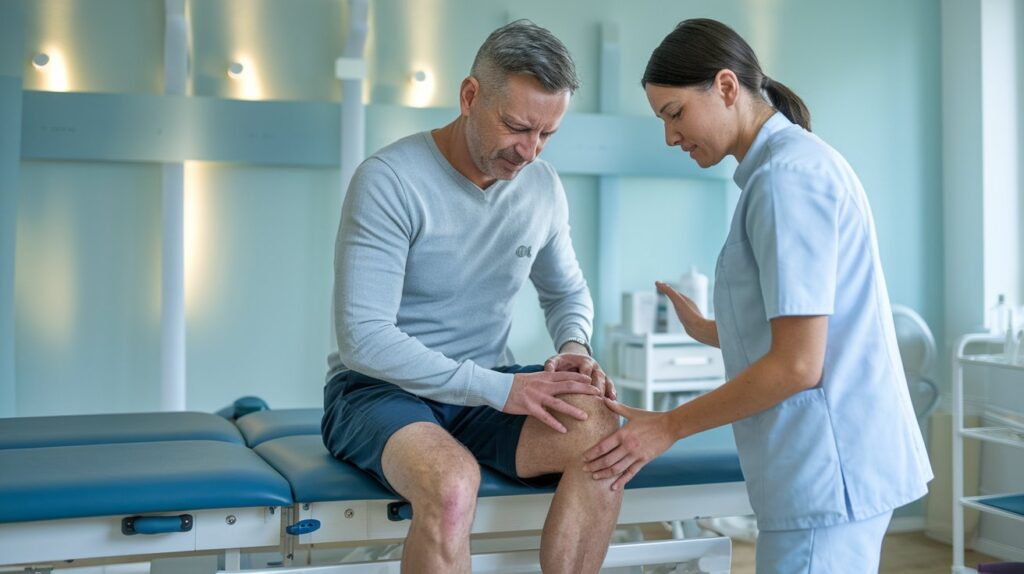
{"points": [[1009, 505], [663, 363]]}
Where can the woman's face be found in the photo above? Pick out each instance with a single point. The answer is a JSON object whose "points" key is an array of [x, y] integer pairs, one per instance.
{"points": [[695, 119]]}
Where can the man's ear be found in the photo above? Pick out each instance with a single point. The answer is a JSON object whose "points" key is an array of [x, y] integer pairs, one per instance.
{"points": [[469, 91], [727, 86]]}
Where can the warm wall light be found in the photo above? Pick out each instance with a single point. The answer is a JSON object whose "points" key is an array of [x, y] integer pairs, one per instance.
{"points": [[421, 88], [245, 78], [53, 70], [235, 70], [40, 60]]}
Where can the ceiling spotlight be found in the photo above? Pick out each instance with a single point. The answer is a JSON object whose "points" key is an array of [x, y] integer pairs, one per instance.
{"points": [[235, 70], [40, 60]]}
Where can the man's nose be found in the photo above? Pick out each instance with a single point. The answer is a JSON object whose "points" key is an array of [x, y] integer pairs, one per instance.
{"points": [[530, 146]]}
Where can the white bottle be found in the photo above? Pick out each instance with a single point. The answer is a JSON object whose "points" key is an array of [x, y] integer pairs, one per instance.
{"points": [[1010, 342], [997, 316], [1019, 357], [694, 285]]}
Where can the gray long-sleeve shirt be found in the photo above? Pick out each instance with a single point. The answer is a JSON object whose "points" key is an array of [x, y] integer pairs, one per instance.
{"points": [[427, 266]]}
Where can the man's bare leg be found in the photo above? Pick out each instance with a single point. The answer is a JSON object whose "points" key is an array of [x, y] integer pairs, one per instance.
{"points": [[435, 473], [583, 513]]}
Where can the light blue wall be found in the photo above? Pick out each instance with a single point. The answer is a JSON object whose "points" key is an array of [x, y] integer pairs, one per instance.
{"points": [[258, 306], [88, 288], [11, 41], [292, 46], [1020, 130], [260, 321]]}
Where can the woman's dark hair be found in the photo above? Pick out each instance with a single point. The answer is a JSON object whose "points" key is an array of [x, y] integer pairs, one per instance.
{"points": [[693, 53]]}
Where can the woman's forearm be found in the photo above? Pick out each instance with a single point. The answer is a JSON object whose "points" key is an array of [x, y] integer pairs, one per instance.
{"points": [[761, 386], [793, 364]]}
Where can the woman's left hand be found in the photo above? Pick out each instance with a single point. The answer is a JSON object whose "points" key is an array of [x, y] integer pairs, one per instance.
{"points": [[623, 453]]}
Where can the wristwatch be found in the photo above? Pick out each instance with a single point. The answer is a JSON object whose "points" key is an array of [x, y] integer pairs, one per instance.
{"points": [[581, 341]]}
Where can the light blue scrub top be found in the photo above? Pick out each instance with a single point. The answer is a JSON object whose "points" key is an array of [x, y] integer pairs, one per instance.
{"points": [[802, 242]]}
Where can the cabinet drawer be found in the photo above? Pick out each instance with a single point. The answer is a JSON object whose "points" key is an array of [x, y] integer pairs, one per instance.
{"points": [[672, 362]]}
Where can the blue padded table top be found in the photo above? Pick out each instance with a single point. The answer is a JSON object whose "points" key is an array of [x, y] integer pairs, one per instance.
{"points": [[1011, 503], [130, 478], [33, 432], [261, 426], [316, 476]]}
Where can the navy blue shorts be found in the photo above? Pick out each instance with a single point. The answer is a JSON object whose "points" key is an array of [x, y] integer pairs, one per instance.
{"points": [[361, 413]]}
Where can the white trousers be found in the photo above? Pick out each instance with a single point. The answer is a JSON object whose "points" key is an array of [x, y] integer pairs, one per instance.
{"points": [[851, 548]]}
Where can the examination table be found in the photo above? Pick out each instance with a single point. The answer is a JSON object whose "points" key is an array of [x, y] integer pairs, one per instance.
{"points": [[141, 485]]}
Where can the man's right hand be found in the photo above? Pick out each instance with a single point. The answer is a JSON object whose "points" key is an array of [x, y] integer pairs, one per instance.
{"points": [[534, 394]]}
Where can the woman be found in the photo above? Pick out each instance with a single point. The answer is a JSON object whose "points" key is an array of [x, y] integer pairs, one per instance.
{"points": [[826, 434]]}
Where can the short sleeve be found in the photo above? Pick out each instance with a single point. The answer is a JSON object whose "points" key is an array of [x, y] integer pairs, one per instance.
{"points": [[792, 223]]}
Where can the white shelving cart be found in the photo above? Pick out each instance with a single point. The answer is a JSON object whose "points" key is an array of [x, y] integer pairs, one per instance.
{"points": [[663, 363], [1008, 505]]}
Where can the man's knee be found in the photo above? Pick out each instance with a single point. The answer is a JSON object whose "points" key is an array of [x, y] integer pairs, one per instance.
{"points": [[601, 421], [448, 498], [434, 472]]}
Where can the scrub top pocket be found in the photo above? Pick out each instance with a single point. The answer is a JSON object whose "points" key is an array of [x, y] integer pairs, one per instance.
{"points": [[739, 308], [791, 464]]}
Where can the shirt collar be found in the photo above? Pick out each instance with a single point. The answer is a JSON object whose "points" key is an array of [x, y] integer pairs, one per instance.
{"points": [[745, 169]]}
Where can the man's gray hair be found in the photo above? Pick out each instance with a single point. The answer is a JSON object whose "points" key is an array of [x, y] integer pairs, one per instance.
{"points": [[523, 47]]}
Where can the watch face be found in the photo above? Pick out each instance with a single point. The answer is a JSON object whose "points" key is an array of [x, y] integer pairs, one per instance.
{"points": [[580, 342]]}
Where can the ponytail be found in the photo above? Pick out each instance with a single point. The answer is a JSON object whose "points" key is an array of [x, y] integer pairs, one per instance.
{"points": [[787, 102]]}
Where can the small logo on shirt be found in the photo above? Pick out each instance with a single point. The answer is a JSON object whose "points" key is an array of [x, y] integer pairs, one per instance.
{"points": [[524, 251]]}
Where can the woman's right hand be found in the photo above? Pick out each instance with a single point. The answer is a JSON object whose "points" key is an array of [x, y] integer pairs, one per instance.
{"points": [[696, 326]]}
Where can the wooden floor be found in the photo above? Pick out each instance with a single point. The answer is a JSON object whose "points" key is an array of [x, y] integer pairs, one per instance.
{"points": [[908, 553]]}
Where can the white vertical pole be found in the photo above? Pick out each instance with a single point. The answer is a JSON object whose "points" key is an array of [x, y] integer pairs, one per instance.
{"points": [[962, 168], [609, 301], [172, 284], [350, 68], [1000, 142], [958, 457]]}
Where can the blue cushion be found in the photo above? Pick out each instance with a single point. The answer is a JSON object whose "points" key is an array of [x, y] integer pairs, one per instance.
{"points": [[317, 476], [128, 478], [1011, 503], [261, 426], [33, 432], [681, 465]]}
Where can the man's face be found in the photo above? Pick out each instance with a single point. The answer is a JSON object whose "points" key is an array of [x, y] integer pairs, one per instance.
{"points": [[506, 130]]}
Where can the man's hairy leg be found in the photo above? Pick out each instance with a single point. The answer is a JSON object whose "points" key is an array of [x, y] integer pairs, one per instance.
{"points": [[583, 512], [435, 473]]}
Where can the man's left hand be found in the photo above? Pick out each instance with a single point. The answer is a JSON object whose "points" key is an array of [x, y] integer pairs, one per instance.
{"points": [[579, 362]]}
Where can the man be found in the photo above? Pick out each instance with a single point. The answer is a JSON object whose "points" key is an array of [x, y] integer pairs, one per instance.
{"points": [[438, 233]]}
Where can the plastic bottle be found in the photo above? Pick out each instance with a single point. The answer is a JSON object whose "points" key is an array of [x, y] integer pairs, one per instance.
{"points": [[997, 316], [1010, 342], [694, 285]]}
